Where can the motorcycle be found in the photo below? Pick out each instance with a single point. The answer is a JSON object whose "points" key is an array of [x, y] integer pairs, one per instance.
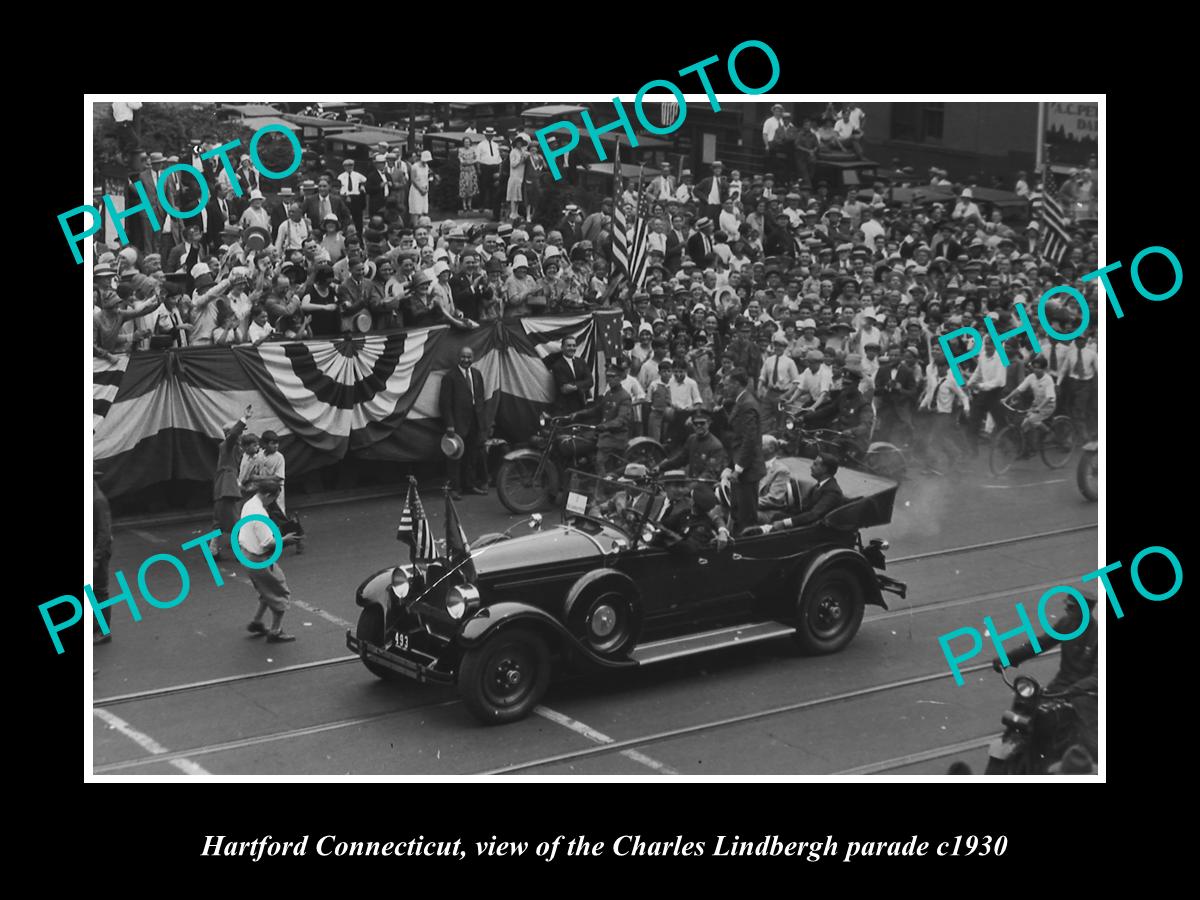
{"points": [[530, 478], [880, 458], [1037, 730], [1087, 474]]}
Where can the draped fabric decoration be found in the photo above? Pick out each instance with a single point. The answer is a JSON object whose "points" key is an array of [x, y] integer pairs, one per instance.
{"points": [[158, 416]]}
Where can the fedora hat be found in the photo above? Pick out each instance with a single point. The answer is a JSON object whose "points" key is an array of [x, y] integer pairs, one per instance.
{"points": [[256, 238]]}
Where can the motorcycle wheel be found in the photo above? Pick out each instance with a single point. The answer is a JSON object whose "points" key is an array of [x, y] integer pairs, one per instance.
{"points": [[1087, 476], [887, 460], [518, 488]]}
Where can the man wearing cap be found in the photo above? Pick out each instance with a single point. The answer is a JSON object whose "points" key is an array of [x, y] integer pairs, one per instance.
{"points": [[378, 185], [943, 397], [773, 128], [1041, 386], [487, 151], [693, 517], [702, 455], [614, 412], [461, 404], [351, 187], [572, 377], [257, 542], [293, 231], [778, 375], [570, 227]]}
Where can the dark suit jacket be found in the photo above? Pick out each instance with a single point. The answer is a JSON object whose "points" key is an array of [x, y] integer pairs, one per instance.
{"points": [[695, 249], [745, 445], [673, 258], [821, 502], [704, 188], [455, 402], [571, 371], [175, 257], [375, 182], [216, 222], [312, 209]]}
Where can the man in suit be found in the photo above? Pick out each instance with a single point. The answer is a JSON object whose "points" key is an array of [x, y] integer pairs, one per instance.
{"points": [[712, 191], [676, 242], [215, 216], [745, 449], [187, 254], [825, 497], [663, 187], [324, 202], [700, 244], [573, 379], [378, 185], [462, 401]]}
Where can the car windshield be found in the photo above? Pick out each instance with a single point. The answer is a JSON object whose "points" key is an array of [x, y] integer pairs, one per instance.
{"points": [[613, 501]]}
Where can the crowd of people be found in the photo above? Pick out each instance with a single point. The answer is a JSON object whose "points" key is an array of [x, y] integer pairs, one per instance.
{"points": [[803, 287]]}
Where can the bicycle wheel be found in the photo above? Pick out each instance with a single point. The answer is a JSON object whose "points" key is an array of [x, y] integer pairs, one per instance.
{"points": [[1006, 447], [887, 460], [1059, 442]]}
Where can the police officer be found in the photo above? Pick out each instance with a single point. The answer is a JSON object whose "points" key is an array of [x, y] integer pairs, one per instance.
{"points": [[694, 519], [702, 454], [614, 410], [855, 413]]}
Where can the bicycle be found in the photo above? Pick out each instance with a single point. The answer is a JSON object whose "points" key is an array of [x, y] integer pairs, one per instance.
{"points": [[880, 457], [1055, 442]]}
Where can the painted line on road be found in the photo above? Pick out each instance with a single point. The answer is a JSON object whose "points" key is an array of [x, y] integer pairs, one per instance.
{"points": [[148, 744], [154, 693], [317, 611], [923, 756], [266, 738], [600, 738], [1005, 487], [147, 536]]}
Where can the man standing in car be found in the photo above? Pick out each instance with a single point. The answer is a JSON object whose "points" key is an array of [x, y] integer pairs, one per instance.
{"points": [[745, 451], [573, 379]]}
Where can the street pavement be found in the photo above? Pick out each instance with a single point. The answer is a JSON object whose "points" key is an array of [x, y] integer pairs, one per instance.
{"points": [[886, 704]]}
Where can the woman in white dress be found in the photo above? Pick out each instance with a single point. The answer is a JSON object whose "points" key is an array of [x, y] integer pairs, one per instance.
{"points": [[517, 157], [418, 190]]}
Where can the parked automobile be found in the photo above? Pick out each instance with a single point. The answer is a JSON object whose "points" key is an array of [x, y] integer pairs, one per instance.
{"points": [[610, 589]]}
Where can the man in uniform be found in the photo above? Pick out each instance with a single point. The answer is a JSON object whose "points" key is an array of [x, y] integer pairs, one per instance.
{"points": [[855, 413], [702, 455], [615, 413], [694, 519]]}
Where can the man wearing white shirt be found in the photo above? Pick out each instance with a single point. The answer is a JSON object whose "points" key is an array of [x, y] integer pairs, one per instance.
{"points": [[942, 394], [778, 375], [662, 187], [729, 221], [487, 151], [966, 209], [813, 384], [685, 399], [871, 227], [987, 384], [256, 540], [352, 187], [1077, 383], [769, 129]]}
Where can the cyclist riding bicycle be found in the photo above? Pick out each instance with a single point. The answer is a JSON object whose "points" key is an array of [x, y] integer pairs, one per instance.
{"points": [[1041, 386]]}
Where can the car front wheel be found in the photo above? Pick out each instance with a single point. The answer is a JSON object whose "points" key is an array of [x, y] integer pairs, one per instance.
{"points": [[829, 612], [503, 679]]}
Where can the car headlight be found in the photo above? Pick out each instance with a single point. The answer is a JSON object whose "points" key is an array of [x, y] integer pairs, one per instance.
{"points": [[459, 598], [400, 584], [1026, 688]]}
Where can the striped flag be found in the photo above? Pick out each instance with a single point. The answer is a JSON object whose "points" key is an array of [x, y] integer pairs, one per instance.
{"points": [[639, 246], [1049, 213], [414, 527], [457, 545], [670, 112], [629, 238]]}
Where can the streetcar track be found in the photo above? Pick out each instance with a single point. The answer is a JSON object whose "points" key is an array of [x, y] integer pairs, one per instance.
{"points": [[690, 730], [154, 693], [616, 746]]}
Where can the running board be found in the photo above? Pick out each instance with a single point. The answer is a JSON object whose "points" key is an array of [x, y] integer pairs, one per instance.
{"points": [[671, 648]]}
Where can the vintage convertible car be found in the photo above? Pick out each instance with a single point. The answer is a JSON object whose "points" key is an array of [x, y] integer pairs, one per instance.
{"points": [[609, 589]]}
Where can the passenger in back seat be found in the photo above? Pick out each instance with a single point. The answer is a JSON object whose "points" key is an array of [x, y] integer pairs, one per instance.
{"points": [[822, 499]]}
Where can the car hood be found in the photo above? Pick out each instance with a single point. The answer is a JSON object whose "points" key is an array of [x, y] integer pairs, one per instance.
{"points": [[548, 547]]}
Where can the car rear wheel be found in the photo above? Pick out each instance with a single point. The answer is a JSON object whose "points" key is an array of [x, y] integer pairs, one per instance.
{"points": [[1059, 442], [521, 487], [372, 629], [604, 623], [830, 611], [506, 677], [1006, 447]]}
